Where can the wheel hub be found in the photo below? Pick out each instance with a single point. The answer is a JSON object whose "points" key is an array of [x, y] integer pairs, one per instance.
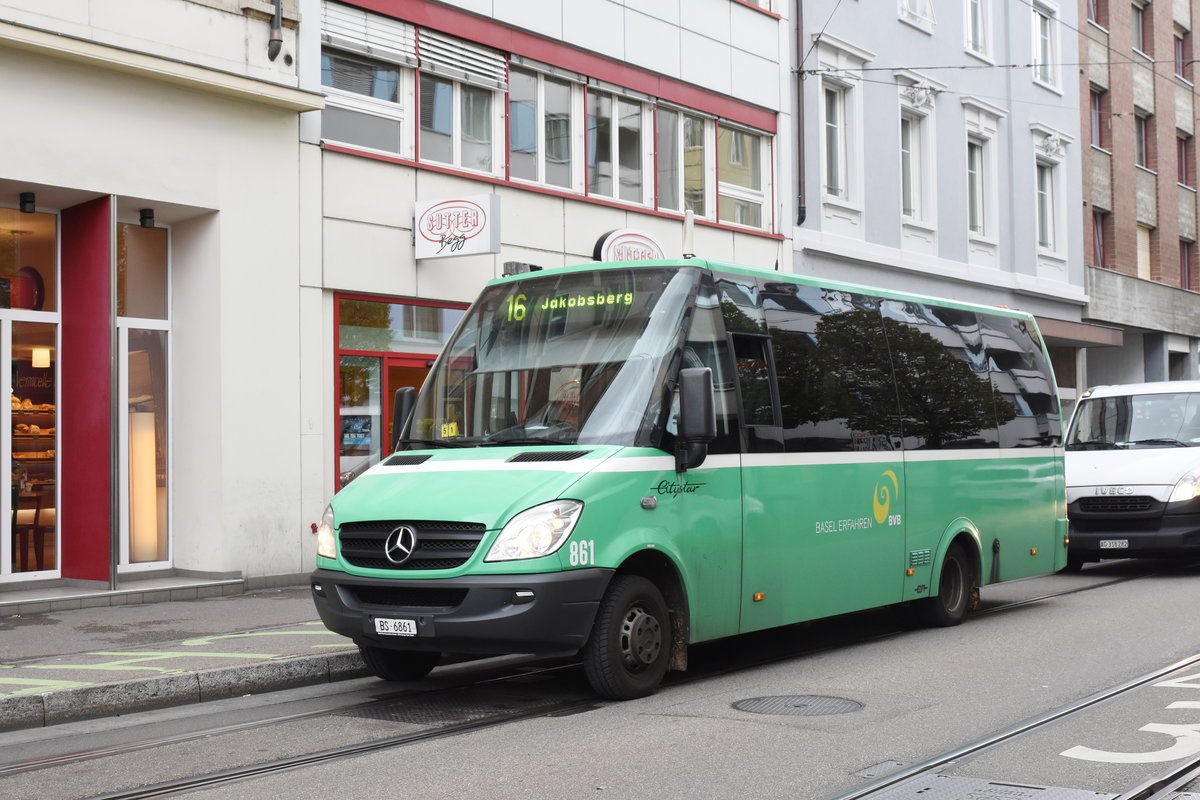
{"points": [[641, 639]]}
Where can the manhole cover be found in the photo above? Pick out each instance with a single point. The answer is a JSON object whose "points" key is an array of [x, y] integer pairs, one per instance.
{"points": [[803, 705]]}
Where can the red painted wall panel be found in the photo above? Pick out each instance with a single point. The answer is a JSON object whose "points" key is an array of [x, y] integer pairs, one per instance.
{"points": [[86, 399]]}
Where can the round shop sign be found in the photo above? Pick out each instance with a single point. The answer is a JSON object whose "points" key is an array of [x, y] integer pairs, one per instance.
{"points": [[627, 244]]}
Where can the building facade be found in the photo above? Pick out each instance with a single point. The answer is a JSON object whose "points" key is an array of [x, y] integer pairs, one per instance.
{"points": [[237, 226], [941, 154], [1139, 186]]}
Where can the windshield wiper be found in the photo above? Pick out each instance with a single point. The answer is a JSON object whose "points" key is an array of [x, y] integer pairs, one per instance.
{"points": [[1162, 440], [1094, 444], [428, 443]]}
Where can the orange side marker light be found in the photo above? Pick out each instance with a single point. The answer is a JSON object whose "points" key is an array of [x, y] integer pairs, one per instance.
{"points": [[758, 597]]}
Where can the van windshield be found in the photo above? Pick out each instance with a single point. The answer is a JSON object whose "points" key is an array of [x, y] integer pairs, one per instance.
{"points": [[576, 357], [1138, 420]]}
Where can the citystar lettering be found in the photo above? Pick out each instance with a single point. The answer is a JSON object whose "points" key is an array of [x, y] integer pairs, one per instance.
{"points": [[587, 301], [675, 489]]}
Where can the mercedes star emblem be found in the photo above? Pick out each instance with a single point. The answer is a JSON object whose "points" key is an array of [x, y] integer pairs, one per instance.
{"points": [[400, 544]]}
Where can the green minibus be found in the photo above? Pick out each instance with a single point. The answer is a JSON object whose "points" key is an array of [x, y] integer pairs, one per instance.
{"points": [[622, 459]]}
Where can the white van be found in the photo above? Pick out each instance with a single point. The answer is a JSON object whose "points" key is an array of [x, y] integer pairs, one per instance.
{"points": [[1133, 472]]}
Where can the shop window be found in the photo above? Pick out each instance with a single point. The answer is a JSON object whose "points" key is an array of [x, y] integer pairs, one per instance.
{"points": [[382, 346], [143, 330], [28, 268]]}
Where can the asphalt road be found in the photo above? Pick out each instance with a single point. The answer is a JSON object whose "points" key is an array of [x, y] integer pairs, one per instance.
{"points": [[911, 694]]}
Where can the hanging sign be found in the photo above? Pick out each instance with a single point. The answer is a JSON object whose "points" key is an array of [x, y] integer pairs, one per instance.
{"points": [[626, 244], [466, 226]]}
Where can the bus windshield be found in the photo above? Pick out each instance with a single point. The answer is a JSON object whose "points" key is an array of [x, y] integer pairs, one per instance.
{"points": [[1138, 420], [577, 357]]}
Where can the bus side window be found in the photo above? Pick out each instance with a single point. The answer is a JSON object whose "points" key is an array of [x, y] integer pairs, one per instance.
{"points": [[706, 347], [942, 376], [836, 391], [1025, 396]]}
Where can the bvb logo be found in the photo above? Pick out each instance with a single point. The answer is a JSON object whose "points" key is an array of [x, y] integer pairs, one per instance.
{"points": [[883, 496]]}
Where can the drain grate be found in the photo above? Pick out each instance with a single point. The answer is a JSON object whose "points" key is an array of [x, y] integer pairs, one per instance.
{"points": [[802, 705]]}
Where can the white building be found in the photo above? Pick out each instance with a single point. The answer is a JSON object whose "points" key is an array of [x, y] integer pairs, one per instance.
{"points": [[941, 155], [222, 253]]}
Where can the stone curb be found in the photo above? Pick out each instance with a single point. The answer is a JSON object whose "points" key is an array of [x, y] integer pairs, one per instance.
{"points": [[111, 699]]}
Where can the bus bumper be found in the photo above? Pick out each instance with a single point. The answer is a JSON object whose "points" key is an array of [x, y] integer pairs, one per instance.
{"points": [[543, 614]]}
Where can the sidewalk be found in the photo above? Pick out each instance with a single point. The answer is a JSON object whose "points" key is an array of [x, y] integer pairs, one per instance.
{"points": [[62, 665]]}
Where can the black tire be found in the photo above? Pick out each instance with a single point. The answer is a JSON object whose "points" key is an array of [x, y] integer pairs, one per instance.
{"points": [[948, 606], [1075, 562], [398, 665], [627, 653]]}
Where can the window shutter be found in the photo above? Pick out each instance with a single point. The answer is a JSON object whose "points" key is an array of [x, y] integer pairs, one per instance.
{"points": [[359, 31], [458, 60]]}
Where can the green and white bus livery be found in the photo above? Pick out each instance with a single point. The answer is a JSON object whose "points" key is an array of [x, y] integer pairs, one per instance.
{"points": [[619, 460]]}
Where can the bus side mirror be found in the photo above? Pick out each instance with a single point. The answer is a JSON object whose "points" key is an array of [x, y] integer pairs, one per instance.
{"points": [[697, 417], [402, 406]]}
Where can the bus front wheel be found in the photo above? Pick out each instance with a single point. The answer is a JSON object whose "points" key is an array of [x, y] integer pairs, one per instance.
{"points": [[948, 606], [395, 665], [626, 656]]}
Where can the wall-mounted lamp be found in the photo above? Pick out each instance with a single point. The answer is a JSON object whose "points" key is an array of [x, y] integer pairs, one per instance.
{"points": [[41, 357], [28, 204], [146, 217]]}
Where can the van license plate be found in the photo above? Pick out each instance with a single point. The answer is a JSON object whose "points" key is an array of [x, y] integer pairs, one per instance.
{"points": [[1114, 544], [395, 627]]}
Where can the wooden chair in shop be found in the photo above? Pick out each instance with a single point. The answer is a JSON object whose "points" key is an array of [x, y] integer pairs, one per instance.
{"points": [[45, 524], [24, 522]]}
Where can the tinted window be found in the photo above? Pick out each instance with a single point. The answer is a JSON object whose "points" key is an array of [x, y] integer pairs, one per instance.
{"points": [[941, 376], [835, 379], [1026, 401]]}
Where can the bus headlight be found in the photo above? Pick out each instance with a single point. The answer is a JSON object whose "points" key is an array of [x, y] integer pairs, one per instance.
{"points": [[326, 540], [537, 531], [1187, 488]]}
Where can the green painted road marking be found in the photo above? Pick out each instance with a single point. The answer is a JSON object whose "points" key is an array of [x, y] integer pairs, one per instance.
{"points": [[35, 686], [203, 640]]}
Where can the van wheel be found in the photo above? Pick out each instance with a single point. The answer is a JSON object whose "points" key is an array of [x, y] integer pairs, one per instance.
{"points": [[626, 656], [398, 665], [949, 605]]}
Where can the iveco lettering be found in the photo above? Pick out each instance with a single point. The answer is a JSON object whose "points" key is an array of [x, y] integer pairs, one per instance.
{"points": [[618, 460]]}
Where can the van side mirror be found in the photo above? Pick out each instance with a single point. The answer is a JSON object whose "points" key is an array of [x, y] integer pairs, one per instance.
{"points": [[402, 406], [697, 417]]}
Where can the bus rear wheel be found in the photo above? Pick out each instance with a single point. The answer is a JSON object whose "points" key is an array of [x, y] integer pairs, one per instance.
{"points": [[398, 665], [627, 654], [948, 606]]}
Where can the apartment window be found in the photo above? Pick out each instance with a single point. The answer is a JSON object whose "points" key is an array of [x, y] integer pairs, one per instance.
{"points": [[918, 13], [1045, 206], [683, 165], [1180, 58], [1045, 46], [1143, 252], [1140, 28], [740, 196], [978, 28], [976, 174], [835, 141], [1185, 263], [615, 161], [1097, 12], [1099, 230], [1141, 141], [1096, 127], [456, 124], [539, 128], [1183, 161]]}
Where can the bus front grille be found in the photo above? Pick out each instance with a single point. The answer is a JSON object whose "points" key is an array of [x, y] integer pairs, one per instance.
{"points": [[1115, 505], [439, 545], [388, 597]]}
